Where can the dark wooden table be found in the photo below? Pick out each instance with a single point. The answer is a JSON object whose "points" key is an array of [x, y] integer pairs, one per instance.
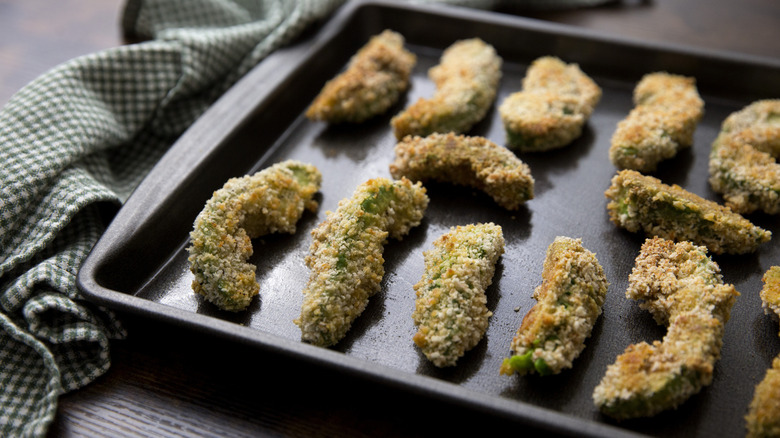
{"points": [[165, 381]]}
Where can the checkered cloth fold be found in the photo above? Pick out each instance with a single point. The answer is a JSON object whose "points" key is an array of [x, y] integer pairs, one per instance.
{"points": [[76, 141]]}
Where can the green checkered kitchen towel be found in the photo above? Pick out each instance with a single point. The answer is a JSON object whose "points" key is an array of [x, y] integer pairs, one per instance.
{"points": [[73, 145]]}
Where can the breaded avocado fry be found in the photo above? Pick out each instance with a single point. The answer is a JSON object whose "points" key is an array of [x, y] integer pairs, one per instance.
{"points": [[269, 201], [770, 293], [668, 108], [466, 85], [743, 166], [569, 301], [451, 308], [640, 202], [553, 106], [683, 288], [669, 278], [763, 418], [470, 161], [345, 256], [374, 80]]}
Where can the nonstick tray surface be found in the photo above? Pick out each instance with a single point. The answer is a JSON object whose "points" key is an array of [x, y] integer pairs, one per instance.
{"points": [[140, 263]]}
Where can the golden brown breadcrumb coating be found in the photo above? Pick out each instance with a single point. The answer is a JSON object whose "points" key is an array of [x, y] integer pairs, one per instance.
{"points": [[451, 308], [466, 85], [470, 161], [346, 255], [269, 201], [553, 106], [743, 166], [683, 288], [374, 80], [668, 108], [569, 301], [763, 418], [641, 202]]}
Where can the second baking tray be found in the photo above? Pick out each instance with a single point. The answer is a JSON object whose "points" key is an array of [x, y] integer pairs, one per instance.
{"points": [[140, 265]]}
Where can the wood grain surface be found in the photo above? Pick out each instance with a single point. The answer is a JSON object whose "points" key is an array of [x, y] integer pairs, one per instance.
{"points": [[167, 381]]}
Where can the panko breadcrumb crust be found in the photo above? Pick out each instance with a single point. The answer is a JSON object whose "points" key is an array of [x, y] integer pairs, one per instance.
{"points": [[469, 161], [770, 293], [346, 255], [667, 110], [466, 80], [682, 288], [641, 202], [763, 418], [555, 102], [743, 166], [270, 201], [677, 282], [451, 307], [569, 301], [374, 80]]}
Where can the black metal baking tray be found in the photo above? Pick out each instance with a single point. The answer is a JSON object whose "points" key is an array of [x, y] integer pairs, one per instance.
{"points": [[139, 265]]}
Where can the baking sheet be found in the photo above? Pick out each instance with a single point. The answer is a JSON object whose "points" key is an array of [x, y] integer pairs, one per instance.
{"points": [[140, 265]]}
